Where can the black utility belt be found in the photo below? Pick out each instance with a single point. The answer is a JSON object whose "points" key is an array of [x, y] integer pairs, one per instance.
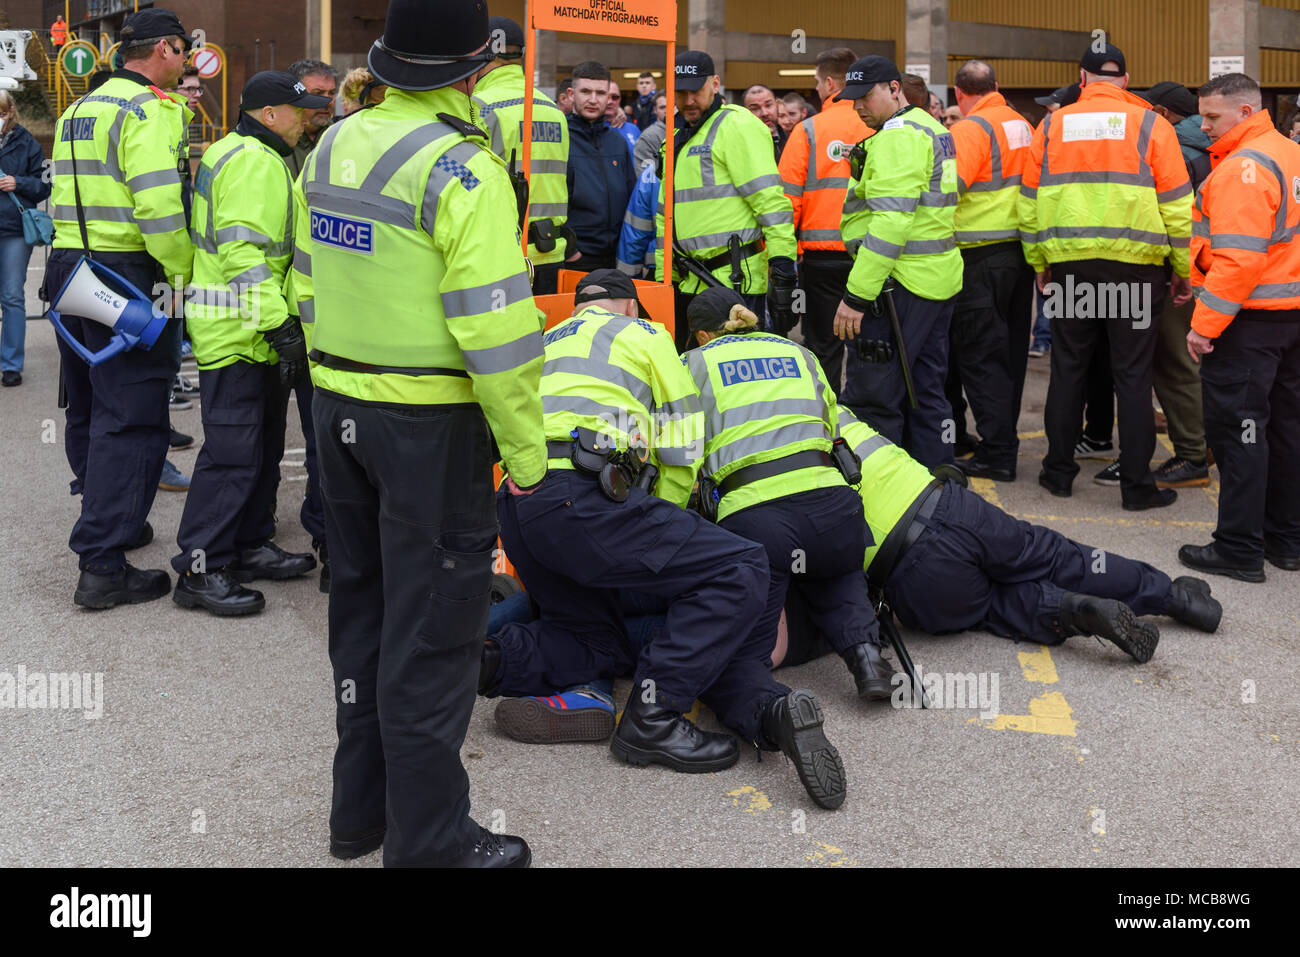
{"points": [[350, 365], [841, 457], [724, 259], [905, 533], [616, 472]]}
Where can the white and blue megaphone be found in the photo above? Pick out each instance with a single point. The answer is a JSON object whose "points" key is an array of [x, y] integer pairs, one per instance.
{"points": [[96, 292]]}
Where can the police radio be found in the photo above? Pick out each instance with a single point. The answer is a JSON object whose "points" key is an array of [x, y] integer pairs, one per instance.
{"points": [[858, 159]]}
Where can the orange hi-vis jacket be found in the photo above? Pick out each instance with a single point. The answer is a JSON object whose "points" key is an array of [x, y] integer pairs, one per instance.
{"points": [[1246, 226], [815, 173], [1105, 179], [992, 142], [59, 33]]}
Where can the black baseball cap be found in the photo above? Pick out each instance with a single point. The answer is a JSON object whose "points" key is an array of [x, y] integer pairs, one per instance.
{"points": [[1064, 96], [277, 88], [865, 73], [1172, 96], [511, 35], [692, 69], [153, 25], [1092, 60], [607, 284]]}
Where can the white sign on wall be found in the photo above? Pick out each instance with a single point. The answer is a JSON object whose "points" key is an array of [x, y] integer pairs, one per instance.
{"points": [[920, 69], [1219, 65]]}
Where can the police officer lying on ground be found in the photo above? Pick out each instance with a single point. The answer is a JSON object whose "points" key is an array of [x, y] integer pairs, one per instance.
{"points": [[590, 529]]}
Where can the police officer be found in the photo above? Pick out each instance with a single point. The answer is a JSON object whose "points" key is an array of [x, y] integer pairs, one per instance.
{"points": [[612, 384], [408, 260], [248, 349], [1246, 331], [898, 224], [499, 96], [949, 561], [769, 476], [118, 198], [730, 214]]}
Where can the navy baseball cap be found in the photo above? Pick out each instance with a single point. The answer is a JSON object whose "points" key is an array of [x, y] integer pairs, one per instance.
{"points": [[607, 284], [692, 69], [153, 25], [1064, 96], [866, 73], [277, 88], [510, 34], [1092, 60]]}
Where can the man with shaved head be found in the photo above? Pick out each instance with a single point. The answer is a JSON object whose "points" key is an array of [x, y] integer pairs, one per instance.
{"points": [[761, 101]]}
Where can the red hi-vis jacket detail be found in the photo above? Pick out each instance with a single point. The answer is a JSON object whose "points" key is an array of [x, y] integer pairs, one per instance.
{"points": [[815, 173], [1105, 179], [992, 143], [1246, 226]]}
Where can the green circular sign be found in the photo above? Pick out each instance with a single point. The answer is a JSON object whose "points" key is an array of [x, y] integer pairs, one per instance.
{"points": [[79, 59]]}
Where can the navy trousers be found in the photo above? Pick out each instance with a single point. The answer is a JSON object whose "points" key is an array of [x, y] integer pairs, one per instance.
{"points": [[231, 505], [117, 425], [876, 393], [312, 512], [977, 568], [575, 551]]}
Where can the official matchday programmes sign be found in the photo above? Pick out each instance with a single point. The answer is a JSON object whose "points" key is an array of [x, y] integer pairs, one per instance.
{"points": [[641, 19]]}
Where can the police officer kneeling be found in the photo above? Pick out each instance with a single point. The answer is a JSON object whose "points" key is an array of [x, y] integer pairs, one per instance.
{"points": [[586, 533], [249, 349]]}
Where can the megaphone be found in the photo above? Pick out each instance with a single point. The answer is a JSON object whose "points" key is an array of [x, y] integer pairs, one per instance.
{"points": [[96, 292]]}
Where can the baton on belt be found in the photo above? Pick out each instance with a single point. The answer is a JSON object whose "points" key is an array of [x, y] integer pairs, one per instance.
{"points": [[685, 263], [887, 294], [885, 616]]}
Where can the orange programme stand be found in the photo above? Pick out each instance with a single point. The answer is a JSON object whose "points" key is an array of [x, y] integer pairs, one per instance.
{"points": [[654, 20]]}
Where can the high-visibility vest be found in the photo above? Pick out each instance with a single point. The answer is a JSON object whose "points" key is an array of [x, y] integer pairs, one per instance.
{"points": [[815, 173], [131, 142], [499, 97], [725, 183], [1105, 179], [242, 226], [898, 215], [891, 479], [1246, 227], [408, 266], [764, 398], [622, 376], [992, 143], [59, 33]]}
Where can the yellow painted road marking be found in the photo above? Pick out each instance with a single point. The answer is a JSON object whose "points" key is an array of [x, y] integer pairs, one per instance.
{"points": [[1048, 714], [830, 856], [757, 801], [1040, 434], [1108, 520], [986, 489], [1038, 666]]}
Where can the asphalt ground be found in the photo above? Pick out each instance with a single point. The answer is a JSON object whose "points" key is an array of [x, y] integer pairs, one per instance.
{"points": [[216, 737]]}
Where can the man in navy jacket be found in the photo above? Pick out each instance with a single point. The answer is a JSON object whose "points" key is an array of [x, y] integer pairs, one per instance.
{"points": [[600, 173]]}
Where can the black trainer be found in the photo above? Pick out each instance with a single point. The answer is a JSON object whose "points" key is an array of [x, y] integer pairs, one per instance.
{"points": [[218, 592], [1087, 448], [1060, 491], [1109, 476], [1207, 558], [11, 377], [1178, 472], [649, 734], [126, 586], [269, 560], [871, 673], [1190, 603], [974, 468], [496, 850], [1278, 559], [1157, 499], [179, 440], [794, 724], [347, 848], [1112, 620]]}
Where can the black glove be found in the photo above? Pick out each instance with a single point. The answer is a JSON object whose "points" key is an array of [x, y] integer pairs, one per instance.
{"points": [[781, 284], [288, 341]]}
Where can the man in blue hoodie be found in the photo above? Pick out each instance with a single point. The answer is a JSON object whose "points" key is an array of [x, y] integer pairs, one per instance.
{"points": [[600, 172]]}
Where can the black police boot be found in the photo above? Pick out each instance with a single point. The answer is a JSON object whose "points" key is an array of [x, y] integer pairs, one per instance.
{"points": [[488, 666], [974, 467], [1208, 558], [127, 586], [794, 724], [143, 539], [496, 850], [1190, 603], [346, 848], [649, 734], [1280, 559], [323, 550], [219, 592], [1109, 619], [269, 560], [872, 673]]}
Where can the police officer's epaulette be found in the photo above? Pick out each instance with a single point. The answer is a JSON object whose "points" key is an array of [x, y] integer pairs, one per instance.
{"points": [[464, 127]]}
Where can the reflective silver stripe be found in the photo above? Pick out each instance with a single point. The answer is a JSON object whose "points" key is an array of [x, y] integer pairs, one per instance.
{"points": [[253, 274], [893, 204], [694, 194], [505, 357], [162, 224], [1028, 192], [985, 235], [791, 189], [813, 365], [938, 200], [489, 297], [913, 247], [767, 441], [547, 210], [874, 444], [686, 405], [1256, 244], [711, 240], [638, 222], [854, 204], [302, 262], [1047, 139], [820, 236], [580, 405], [231, 234], [307, 310], [936, 174], [349, 201], [1277, 290], [559, 167], [671, 455], [995, 154], [320, 158], [1102, 232], [214, 298], [759, 183], [1200, 228], [1219, 304], [85, 167], [627, 269], [162, 177], [1279, 222], [706, 159], [1178, 192], [1144, 141], [720, 421], [988, 186], [1107, 176], [592, 369], [780, 217], [108, 214], [401, 153], [202, 242]]}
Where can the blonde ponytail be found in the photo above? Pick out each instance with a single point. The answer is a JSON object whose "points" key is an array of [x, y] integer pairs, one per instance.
{"points": [[741, 319]]}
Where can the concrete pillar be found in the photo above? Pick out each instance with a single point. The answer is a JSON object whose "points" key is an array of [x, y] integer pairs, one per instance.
{"points": [[708, 32], [312, 36], [927, 43], [545, 66], [1234, 32]]}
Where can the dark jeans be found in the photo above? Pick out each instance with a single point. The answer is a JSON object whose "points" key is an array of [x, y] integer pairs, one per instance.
{"points": [[411, 526], [117, 428], [823, 276], [1251, 389], [231, 502], [1131, 341]]}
